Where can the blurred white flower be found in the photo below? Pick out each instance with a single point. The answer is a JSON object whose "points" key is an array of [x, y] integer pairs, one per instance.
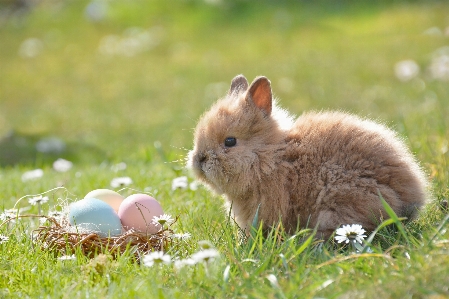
{"points": [[31, 48], [32, 175], [119, 166], [96, 11], [109, 45], [67, 258], [406, 70], [436, 31], [182, 236], [205, 255], [38, 200], [439, 67], [273, 280], [135, 40], [9, 214], [444, 147], [179, 183], [205, 244], [194, 185], [185, 262], [130, 46], [163, 219], [62, 165], [121, 182], [3, 239], [350, 233], [156, 257]]}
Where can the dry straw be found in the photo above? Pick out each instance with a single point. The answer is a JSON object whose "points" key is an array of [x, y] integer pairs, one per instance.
{"points": [[61, 238]]}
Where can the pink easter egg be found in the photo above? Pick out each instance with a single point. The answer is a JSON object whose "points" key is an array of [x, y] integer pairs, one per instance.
{"points": [[137, 211]]}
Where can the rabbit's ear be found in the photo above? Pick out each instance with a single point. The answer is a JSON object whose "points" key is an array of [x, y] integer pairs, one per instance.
{"points": [[238, 84], [260, 94]]}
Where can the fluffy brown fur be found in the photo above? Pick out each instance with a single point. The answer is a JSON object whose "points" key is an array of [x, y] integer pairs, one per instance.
{"points": [[323, 170]]}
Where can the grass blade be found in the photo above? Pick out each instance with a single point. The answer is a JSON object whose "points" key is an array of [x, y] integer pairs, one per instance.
{"points": [[303, 247], [395, 218], [255, 219], [373, 234], [439, 229]]}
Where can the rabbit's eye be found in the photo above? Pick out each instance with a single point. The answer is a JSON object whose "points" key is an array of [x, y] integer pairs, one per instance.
{"points": [[230, 141]]}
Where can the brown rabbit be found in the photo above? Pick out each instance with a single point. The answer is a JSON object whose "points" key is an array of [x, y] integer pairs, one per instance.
{"points": [[325, 169]]}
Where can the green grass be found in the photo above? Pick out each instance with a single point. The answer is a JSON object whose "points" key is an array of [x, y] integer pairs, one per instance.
{"points": [[111, 109]]}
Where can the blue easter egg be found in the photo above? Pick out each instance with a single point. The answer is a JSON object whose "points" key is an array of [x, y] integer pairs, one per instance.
{"points": [[95, 215]]}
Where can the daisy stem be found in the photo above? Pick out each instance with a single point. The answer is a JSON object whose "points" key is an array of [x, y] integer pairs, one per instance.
{"points": [[206, 267], [356, 246]]}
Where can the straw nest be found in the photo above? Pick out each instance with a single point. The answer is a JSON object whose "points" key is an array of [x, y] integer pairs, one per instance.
{"points": [[60, 237]]}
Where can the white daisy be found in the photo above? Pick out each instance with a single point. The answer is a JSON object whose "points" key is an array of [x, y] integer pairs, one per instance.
{"points": [[121, 182], [32, 175], [9, 214], [38, 200], [67, 258], [179, 183], [62, 165], [185, 262], [205, 244], [3, 239], [205, 255], [163, 219], [182, 236], [350, 233], [156, 257]]}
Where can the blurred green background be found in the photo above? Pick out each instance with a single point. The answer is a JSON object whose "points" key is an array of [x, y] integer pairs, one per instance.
{"points": [[107, 79]]}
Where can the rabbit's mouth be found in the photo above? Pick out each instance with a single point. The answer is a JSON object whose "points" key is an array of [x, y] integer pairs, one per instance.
{"points": [[201, 161], [204, 167]]}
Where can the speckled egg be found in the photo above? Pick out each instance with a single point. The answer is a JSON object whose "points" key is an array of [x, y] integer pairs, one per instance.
{"points": [[112, 198], [95, 215], [137, 211]]}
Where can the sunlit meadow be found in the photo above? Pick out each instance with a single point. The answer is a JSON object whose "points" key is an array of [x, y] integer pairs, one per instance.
{"points": [[105, 94]]}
